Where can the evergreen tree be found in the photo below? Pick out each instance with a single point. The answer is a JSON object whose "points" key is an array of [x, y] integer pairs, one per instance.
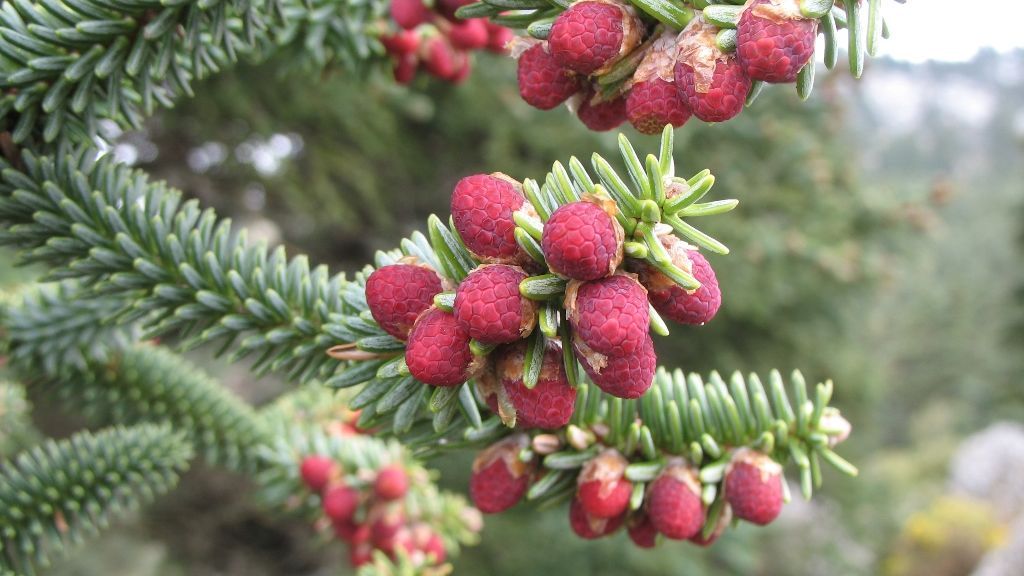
{"points": [[136, 260]]}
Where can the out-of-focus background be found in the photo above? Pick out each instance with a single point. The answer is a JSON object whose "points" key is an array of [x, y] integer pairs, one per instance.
{"points": [[878, 242]]}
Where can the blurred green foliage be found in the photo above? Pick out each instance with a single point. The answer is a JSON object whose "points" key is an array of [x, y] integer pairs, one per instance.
{"points": [[15, 428]]}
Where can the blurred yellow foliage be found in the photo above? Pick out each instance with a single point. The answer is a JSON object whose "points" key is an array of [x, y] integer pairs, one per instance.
{"points": [[948, 538]]}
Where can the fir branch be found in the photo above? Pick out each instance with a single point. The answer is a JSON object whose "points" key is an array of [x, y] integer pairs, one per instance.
{"points": [[315, 408], [57, 493], [656, 198], [144, 383], [116, 382], [399, 564], [705, 419], [56, 327], [147, 383], [65, 65], [181, 268], [704, 422], [58, 335], [185, 271], [15, 427], [321, 33], [295, 438]]}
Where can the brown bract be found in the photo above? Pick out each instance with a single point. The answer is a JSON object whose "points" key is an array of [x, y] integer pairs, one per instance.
{"points": [[697, 46], [679, 251], [519, 44], [593, 97], [765, 465], [546, 444], [832, 419], [659, 62], [510, 366], [678, 469], [515, 183], [488, 383], [675, 188], [529, 311], [632, 32], [607, 467], [507, 450], [596, 360], [778, 10]]}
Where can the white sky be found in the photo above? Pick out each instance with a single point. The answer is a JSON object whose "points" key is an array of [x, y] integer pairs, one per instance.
{"points": [[951, 29]]}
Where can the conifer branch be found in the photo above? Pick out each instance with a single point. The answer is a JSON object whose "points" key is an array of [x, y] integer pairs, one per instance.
{"points": [[322, 33], [96, 371], [56, 494], [705, 420], [15, 427], [359, 457], [147, 383], [181, 269], [185, 271], [314, 424], [55, 327], [64, 66]]}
